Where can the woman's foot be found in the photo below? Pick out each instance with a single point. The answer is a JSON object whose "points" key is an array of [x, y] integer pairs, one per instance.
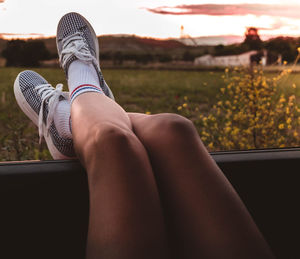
{"points": [[40, 102], [78, 51]]}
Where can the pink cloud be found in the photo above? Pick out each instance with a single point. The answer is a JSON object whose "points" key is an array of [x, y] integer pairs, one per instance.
{"points": [[2, 1], [291, 11], [275, 26]]}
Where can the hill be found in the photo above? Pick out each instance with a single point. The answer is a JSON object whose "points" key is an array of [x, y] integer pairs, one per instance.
{"points": [[127, 44], [133, 45], [137, 44]]}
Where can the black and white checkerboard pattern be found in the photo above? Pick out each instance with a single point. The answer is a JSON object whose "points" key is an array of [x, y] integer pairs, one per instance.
{"points": [[28, 80], [70, 24]]}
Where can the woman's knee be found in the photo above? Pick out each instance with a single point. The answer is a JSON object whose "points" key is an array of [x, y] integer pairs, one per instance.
{"points": [[104, 138], [168, 127]]}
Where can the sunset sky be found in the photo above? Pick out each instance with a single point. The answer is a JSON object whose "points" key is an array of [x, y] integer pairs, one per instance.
{"points": [[154, 18]]}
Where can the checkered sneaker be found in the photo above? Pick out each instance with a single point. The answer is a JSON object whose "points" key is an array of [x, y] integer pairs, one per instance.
{"points": [[39, 100], [77, 40]]}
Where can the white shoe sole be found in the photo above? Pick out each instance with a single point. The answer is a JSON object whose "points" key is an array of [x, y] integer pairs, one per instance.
{"points": [[31, 114]]}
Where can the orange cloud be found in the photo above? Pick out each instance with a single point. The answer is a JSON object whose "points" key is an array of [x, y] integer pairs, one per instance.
{"points": [[2, 1], [290, 11]]}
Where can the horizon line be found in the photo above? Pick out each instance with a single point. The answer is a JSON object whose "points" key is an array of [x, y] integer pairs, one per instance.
{"points": [[34, 36]]}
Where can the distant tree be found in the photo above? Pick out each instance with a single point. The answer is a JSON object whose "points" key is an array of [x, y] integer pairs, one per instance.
{"points": [[256, 58], [188, 56], [144, 58], [25, 53], [252, 39], [233, 49], [118, 58], [163, 58], [219, 48], [34, 52], [108, 55], [13, 52], [284, 46]]}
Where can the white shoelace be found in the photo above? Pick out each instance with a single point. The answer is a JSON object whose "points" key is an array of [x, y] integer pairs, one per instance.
{"points": [[75, 45], [47, 92]]}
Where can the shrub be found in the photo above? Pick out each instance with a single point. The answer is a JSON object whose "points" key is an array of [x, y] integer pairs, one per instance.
{"points": [[252, 111], [25, 53]]}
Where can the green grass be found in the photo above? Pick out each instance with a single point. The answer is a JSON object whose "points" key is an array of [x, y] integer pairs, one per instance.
{"points": [[135, 90], [161, 91]]}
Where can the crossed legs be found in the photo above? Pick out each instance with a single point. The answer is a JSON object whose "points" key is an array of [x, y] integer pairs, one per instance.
{"points": [[144, 169]]}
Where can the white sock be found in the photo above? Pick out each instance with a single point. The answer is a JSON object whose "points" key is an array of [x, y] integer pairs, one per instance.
{"points": [[62, 119], [82, 78]]}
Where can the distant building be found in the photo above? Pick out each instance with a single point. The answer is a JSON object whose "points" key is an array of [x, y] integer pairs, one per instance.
{"points": [[243, 59]]}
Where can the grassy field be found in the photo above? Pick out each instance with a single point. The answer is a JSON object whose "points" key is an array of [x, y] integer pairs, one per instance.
{"points": [[135, 90]]}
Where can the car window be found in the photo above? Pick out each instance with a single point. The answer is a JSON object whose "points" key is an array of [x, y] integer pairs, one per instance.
{"points": [[231, 68]]}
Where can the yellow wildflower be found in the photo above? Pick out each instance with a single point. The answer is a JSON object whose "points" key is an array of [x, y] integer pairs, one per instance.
{"points": [[235, 131], [148, 113], [282, 99], [287, 110], [227, 129], [184, 105], [179, 108], [281, 126]]}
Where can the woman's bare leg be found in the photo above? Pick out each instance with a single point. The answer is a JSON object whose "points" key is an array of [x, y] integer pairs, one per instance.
{"points": [[204, 213], [126, 219]]}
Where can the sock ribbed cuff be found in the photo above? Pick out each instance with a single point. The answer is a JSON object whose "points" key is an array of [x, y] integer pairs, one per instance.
{"points": [[84, 89], [62, 119]]}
